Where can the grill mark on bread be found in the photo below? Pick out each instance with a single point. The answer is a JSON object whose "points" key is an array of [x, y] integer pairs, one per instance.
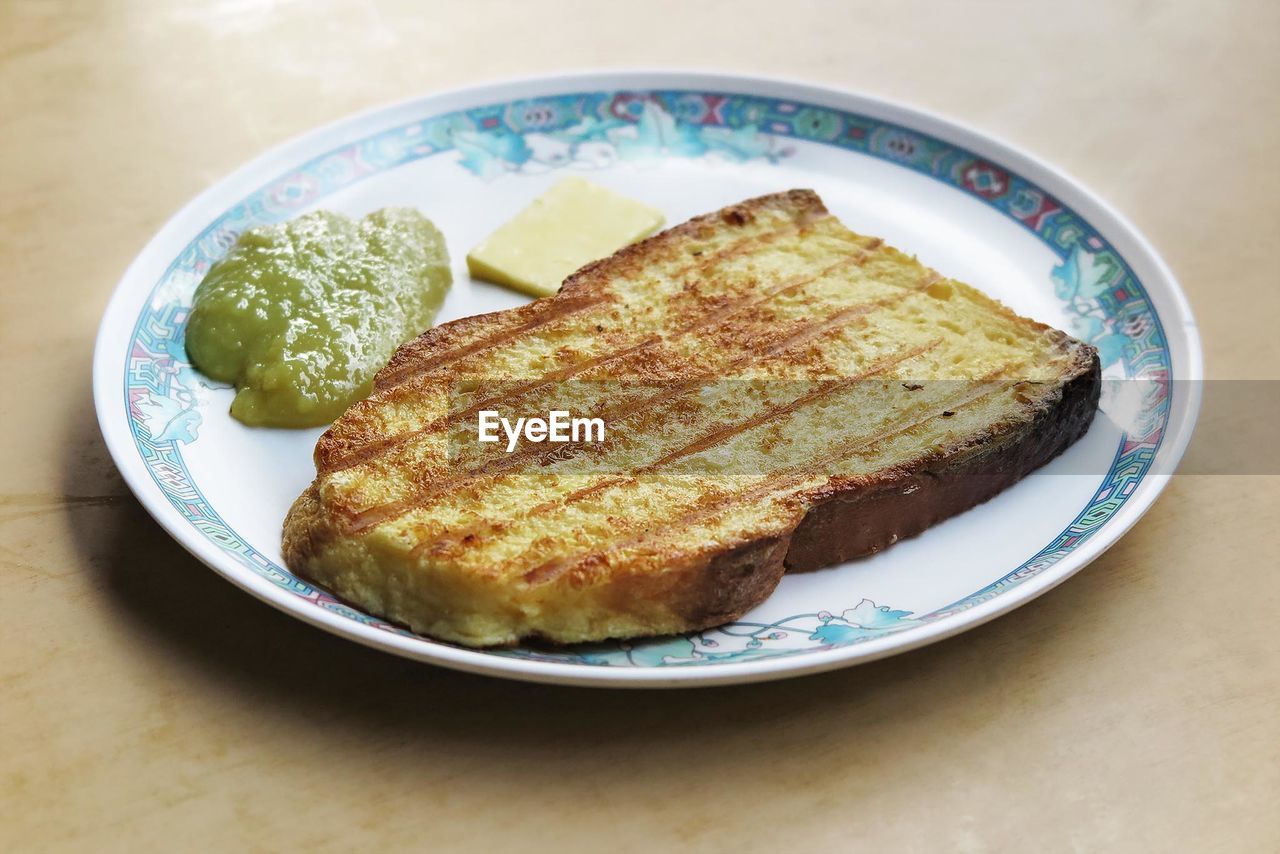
{"points": [[557, 309], [734, 307], [374, 449], [825, 389], [378, 514], [639, 404], [377, 448], [702, 443], [713, 503], [840, 318], [403, 375], [561, 307], [807, 332]]}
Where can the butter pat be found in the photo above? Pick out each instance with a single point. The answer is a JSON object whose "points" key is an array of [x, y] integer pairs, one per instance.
{"points": [[571, 224]]}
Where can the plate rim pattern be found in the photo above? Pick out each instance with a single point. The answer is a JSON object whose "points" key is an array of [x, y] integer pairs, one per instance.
{"points": [[691, 121]]}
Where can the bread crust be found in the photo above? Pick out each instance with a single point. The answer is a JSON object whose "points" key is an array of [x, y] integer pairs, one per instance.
{"points": [[696, 587], [860, 519]]}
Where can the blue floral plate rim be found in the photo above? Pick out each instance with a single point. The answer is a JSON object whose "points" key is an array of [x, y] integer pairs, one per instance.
{"points": [[997, 170]]}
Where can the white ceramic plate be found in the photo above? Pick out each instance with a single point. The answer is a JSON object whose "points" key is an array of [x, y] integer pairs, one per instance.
{"points": [[969, 206]]}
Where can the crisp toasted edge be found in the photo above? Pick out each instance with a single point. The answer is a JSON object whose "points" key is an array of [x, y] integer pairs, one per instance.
{"points": [[859, 518]]}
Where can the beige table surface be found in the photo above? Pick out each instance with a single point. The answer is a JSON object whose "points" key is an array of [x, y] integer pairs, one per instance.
{"points": [[147, 704]]}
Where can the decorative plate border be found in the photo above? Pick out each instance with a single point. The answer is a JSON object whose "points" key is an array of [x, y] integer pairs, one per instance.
{"points": [[588, 130]]}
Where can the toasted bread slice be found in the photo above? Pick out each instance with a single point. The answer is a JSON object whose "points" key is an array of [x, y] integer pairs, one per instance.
{"points": [[780, 393]]}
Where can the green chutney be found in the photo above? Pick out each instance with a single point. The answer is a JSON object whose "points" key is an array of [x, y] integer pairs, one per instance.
{"points": [[301, 315]]}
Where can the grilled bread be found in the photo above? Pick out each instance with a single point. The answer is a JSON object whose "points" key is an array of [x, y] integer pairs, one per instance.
{"points": [[780, 393]]}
